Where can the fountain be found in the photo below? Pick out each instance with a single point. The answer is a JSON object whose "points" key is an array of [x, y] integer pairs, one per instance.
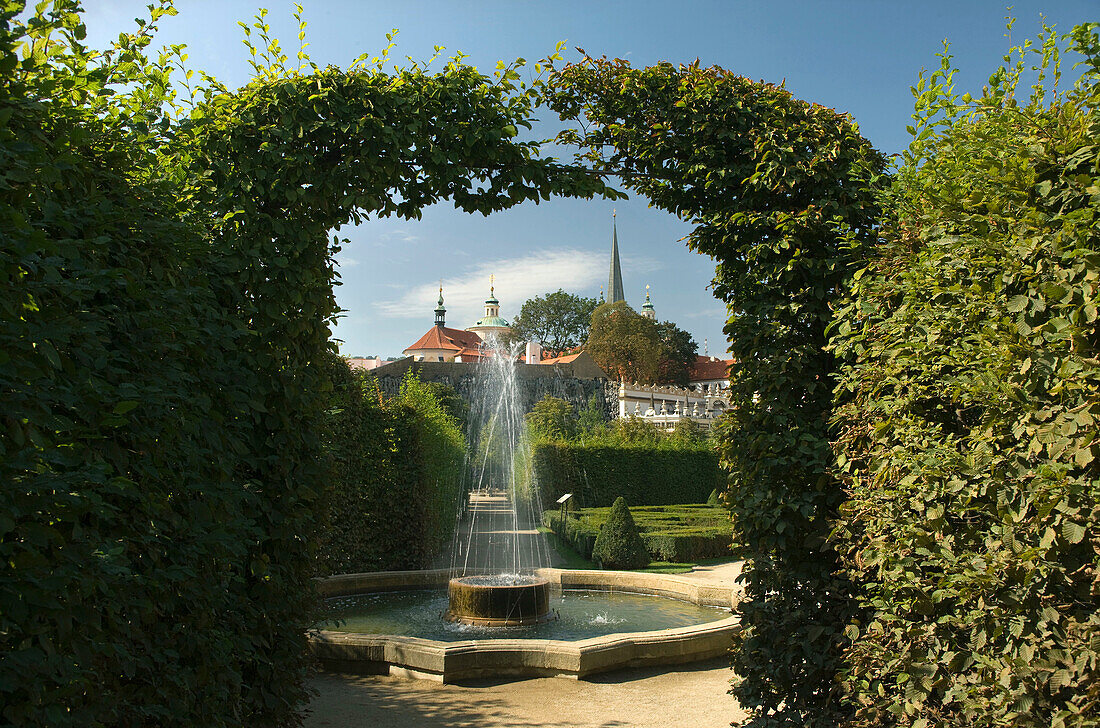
{"points": [[500, 612], [496, 556]]}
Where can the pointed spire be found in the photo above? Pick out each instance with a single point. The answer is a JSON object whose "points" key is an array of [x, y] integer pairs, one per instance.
{"points": [[440, 312], [615, 277]]}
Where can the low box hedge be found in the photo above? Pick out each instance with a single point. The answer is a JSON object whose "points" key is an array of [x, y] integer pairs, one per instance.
{"points": [[677, 533]]}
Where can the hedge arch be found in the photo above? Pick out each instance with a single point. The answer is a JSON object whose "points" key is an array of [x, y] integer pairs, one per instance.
{"points": [[167, 294], [781, 192]]}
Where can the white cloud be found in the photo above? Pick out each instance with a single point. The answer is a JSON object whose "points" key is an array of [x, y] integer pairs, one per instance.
{"points": [[517, 279]]}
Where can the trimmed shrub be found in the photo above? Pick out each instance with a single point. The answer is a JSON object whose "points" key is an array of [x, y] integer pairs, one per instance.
{"points": [[619, 546], [597, 474]]}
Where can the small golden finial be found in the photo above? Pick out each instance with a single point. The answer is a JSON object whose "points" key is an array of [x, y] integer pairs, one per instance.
{"points": [[647, 289], [492, 282]]}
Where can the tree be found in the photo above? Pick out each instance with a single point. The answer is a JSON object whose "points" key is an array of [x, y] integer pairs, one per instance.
{"points": [[559, 321], [632, 347], [553, 419], [592, 420], [677, 353]]}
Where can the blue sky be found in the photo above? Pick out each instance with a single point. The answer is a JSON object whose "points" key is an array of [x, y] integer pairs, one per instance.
{"points": [[860, 57]]}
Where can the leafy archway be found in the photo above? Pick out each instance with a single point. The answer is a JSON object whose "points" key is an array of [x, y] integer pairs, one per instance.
{"points": [[781, 192], [167, 293]]}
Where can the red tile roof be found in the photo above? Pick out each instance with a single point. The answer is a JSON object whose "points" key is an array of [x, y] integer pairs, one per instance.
{"points": [[561, 359], [440, 337], [708, 368]]}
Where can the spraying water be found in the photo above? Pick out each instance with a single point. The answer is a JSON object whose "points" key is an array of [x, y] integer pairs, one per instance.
{"points": [[497, 533]]}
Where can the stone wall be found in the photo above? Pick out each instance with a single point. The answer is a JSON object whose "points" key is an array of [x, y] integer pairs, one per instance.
{"points": [[534, 381]]}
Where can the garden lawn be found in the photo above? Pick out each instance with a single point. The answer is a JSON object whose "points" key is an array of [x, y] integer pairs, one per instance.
{"points": [[676, 536]]}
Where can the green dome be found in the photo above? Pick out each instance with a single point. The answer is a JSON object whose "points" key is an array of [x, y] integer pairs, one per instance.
{"points": [[492, 321]]}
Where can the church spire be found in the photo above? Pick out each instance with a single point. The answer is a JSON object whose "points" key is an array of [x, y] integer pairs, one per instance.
{"points": [[615, 277], [440, 312]]}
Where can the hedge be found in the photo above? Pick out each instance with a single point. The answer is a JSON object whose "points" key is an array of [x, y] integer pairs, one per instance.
{"points": [[968, 431], [166, 296], [598, 474], [678, 534], [395, 475]]}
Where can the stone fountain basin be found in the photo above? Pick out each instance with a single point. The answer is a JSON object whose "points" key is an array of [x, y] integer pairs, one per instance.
{"points": [[452, 661]]}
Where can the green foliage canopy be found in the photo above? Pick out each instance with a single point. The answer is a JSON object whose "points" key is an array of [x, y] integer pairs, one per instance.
{"points": [[970, 399], [779, 191], [167, 295], [559, 321], [629, 346], [552, 418]]}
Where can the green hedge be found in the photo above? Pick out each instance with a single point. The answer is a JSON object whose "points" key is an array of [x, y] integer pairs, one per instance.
{"points": [[166, 296], [968, 431], [681, 533], [598, 474], [395, 475]]}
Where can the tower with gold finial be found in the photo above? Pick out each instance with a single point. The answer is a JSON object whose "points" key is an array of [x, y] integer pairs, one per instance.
{"points": [[440, 312], [647, 307], [491, 323], [615, 277]]}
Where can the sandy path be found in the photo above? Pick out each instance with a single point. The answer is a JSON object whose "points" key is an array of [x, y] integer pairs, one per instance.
{"points": [[695, 695]]}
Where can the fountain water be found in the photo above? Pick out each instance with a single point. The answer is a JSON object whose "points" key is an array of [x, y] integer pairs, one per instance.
{"points": [[497, 548]]}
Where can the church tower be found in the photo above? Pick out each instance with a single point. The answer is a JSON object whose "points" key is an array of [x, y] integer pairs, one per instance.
{"points": [[440, 312], [615, 277], [491, 323], [647, 307]]}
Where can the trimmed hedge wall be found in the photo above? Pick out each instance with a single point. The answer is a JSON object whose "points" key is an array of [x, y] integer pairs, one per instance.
{"points": [[677, 534], [396, 475], [598, 474]]}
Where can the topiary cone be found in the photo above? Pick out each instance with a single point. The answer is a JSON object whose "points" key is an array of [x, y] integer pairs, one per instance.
{"points": [[619, 546]]}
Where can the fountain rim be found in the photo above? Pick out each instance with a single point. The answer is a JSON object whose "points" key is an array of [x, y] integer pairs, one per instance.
{"points": [[419, 657]]}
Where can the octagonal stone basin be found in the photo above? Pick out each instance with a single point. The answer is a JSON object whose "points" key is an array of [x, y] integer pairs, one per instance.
{"points": [[452, 661]]}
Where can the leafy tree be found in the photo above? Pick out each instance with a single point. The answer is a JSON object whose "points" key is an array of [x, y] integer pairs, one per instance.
{"points": [[635, 430], [969, 411], [781, 195], [678, 352], [623, 343], [619, 545], [631, 347], [559, 321], [454, 405], [553, 419], [593, 419]]}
